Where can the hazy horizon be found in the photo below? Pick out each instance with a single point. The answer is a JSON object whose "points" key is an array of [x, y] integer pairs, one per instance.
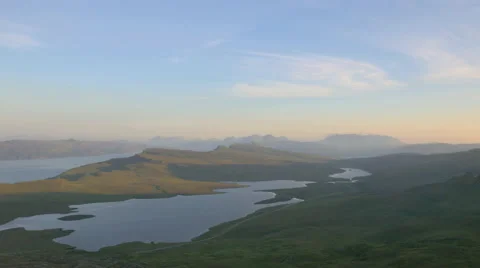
{"points": [[97, 70], [148, 138]]}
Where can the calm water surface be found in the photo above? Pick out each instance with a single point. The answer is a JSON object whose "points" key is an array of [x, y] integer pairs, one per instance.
{"points": [[176, 219], [349, 174], [37, 169]]}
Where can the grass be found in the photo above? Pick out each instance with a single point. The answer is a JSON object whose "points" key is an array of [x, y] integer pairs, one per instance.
{"points": [[258, 172], [341, 228], [404, 171], [336, 226], [19, 240], [146, 178]]}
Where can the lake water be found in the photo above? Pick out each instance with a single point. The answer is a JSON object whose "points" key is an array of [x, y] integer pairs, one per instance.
{"points": [[37, 169], [176, 219], [348, 175]]}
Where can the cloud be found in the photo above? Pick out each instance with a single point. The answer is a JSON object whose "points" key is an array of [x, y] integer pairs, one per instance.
{"points": [[449, 56], [312, 76], [444, 64], [14, 35], [214, 43]]}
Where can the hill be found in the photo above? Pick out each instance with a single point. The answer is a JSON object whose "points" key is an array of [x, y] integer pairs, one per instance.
{"points": [[468, 178], [148, 173], [144, 175], [210, 144], [362, 141], [403, 171], [428, 226], [36, 149], [435, 148]]}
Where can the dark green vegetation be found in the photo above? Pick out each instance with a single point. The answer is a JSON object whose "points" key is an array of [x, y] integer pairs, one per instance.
{"points": [[338, 225], [251, 172], [18, 240], [429, 217], [389, 173], [35, 149], [75, 217], [402, 171], [343, 226], [32, 249]]}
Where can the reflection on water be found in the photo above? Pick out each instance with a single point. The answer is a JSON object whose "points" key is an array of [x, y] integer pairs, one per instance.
{"points": [[37, 169], [176, 219], [348, 175]]}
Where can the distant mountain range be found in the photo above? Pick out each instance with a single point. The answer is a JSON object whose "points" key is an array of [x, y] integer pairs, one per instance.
{"points": [[36, 149], [339, 146], [334, 146]]}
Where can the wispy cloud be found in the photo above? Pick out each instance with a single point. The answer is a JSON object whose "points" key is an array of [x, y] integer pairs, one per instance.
{"points": [[14, 35], [444, 64], [214, 43], [449, 56], [313, 76]]}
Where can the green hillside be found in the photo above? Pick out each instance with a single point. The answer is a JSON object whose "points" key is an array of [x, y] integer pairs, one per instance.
{"points": [[429, 226], [402, 171], [337, 225]]}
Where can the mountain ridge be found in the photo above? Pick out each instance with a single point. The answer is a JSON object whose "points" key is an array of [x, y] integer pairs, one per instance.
{"points": [[333, 146]]}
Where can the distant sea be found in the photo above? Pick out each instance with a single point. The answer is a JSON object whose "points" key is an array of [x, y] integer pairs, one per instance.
{"points": [[37, 169]]}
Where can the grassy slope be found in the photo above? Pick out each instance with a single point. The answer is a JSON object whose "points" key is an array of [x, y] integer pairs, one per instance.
{"points": [[336, 226], [428, 226], [403, 171]]}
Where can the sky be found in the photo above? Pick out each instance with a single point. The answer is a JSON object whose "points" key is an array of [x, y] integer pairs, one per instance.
{"points": [[207, 69]]}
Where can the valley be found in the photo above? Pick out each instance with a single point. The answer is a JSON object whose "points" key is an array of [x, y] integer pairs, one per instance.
{"points": [[428, 207]]}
